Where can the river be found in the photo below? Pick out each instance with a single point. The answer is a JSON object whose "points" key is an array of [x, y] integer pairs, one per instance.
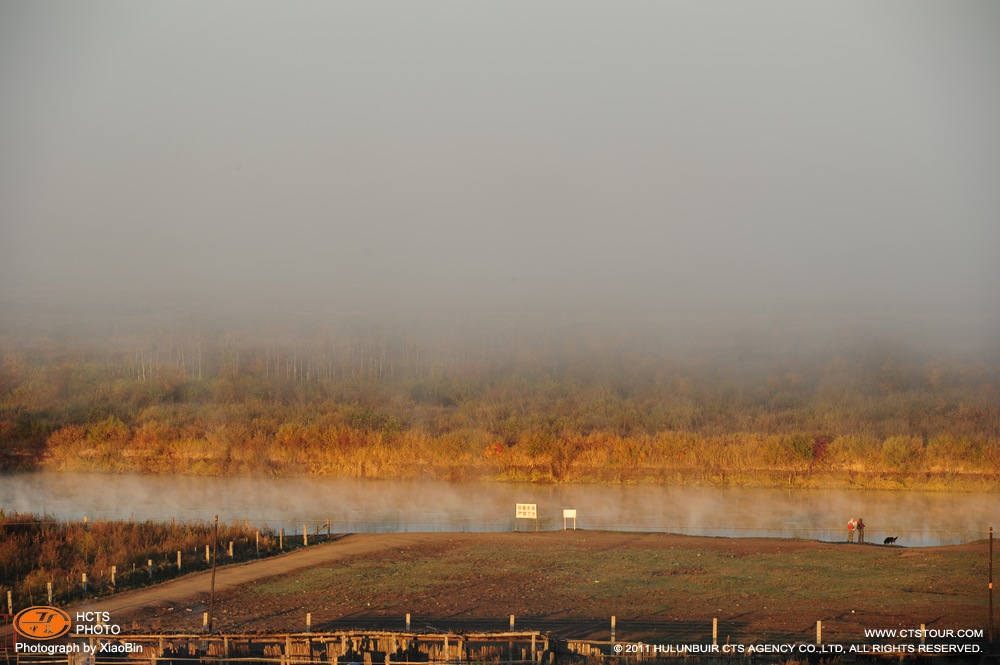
{"points": [[917, 518]]}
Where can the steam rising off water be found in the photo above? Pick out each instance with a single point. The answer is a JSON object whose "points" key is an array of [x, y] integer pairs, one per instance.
{"points": [[918, 518]]}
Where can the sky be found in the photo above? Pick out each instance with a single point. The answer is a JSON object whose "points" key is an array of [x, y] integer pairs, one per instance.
{"points": [[580, 157]]}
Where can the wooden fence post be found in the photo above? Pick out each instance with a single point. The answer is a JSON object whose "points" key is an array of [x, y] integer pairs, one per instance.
{"points": [[715, 630], [819, 632], [613, 621], [178, 560]]}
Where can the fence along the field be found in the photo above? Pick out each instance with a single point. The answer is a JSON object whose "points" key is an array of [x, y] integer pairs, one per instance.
{"points": [[378, 647], [127, 570], [368, 647]]}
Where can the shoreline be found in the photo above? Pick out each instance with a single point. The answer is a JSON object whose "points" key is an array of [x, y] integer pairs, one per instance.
{"points": [[845, 480]]}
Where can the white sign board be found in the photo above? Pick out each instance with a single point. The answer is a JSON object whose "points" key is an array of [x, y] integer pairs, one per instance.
{"points": [[526, 510], [569, 514]]}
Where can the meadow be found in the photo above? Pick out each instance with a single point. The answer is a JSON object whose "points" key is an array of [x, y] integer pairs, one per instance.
{"points": [[661, 588]]}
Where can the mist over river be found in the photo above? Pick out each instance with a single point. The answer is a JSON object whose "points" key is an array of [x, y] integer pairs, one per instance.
{"points": [[917, 518]]}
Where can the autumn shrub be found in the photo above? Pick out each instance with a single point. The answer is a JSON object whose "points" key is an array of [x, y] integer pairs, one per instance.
{"points": [[788, 451], [68, 440], [900, 453], [853, 452]]}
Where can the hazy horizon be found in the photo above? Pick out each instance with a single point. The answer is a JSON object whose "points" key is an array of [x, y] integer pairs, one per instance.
{"points": [[757, 165]]}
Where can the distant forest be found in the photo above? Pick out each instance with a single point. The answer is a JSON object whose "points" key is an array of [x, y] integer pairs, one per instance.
{"points": [[569, 405]]}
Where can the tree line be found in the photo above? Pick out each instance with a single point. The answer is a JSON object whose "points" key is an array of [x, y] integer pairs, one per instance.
{"points": [[565, 406]]}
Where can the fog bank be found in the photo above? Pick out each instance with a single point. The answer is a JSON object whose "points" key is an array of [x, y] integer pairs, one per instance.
{"points": [[720, 165]]}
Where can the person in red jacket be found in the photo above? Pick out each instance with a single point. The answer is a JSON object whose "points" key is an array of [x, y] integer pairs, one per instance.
{"points": [[850, 531]]}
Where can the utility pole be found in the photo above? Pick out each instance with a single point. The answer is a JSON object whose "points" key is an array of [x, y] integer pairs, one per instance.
{"points": [[991, 589], [215, 561]]}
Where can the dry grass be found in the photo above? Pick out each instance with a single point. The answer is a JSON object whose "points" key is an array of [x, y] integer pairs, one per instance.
{"points": [[763, 586], [37, 551]]}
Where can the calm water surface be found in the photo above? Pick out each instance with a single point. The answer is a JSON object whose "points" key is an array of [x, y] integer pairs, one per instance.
{"points": [[918, 518]]}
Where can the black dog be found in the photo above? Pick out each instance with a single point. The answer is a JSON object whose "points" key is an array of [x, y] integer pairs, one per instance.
{"points": [[890, 540]]}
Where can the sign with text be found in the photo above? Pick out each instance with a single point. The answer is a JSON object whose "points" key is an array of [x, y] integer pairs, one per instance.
{"points": [[526, 510]]}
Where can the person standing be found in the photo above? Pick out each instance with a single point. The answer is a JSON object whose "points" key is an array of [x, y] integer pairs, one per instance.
{"points": [[850, 531], [860, 527]]}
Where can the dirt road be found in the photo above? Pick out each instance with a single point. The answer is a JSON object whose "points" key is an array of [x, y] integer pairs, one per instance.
{"points": [[192, 586]]}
